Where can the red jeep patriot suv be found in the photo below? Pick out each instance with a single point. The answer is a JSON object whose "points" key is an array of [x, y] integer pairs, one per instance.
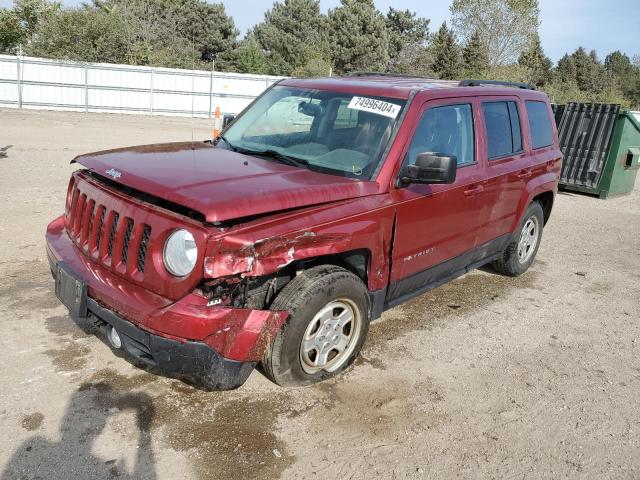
{"points": [[325, 202]]}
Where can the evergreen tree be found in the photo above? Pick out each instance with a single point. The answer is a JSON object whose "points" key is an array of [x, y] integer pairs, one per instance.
{"points": [[537, 64], [583, 65], [408, 36], [248, 57], [358, 37], [208, 26], [475, 58], [446, 54], [618, 64], [293, 34], [625, 75], [565, 70]]}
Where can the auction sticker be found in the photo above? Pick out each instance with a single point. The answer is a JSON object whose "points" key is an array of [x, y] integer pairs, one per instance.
{"points": [[373, 105]]}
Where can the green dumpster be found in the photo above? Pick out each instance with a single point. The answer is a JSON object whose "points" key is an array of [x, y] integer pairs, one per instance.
{"points": [[601, 147]]}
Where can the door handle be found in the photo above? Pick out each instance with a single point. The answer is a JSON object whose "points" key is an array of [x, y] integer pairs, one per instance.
{"points": [[473, 190], [524, 173]]}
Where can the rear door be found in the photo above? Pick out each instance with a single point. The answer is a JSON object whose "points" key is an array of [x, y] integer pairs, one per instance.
{"points": [[505, 152], [437, 225]]}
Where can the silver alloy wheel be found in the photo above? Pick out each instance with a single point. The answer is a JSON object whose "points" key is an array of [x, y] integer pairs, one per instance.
{"points": [[528, 239], [331, 336]]}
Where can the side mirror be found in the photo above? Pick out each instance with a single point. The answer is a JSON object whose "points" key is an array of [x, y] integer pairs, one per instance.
{"points": [[227, 119], [431, 168]]}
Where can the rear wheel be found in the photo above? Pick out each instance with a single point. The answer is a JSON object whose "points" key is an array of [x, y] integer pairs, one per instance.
{"points": [[518, 256], [328, 321]]}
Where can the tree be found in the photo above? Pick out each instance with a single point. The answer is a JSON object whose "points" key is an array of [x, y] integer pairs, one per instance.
{"points": [[506, 27], [591, 75], [408, 36], [538, 65], [18, 24], [83, 34], [565, 70], [358, 37], [624, 74], [249, 57], [446, 53], [475, 59], [618, 64], [12, 33], [293, 34], [208, 26], [32, 12]]}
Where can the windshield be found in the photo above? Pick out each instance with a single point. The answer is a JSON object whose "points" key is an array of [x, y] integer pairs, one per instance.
{"points": [[332, 132]]}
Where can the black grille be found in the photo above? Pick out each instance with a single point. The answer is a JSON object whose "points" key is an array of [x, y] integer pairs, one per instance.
{"points": [[142, 251], [100, 222], [127, 237], [112, 233]]}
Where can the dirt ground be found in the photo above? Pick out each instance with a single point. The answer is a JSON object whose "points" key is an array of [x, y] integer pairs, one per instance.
{"points": [[486, 377]]}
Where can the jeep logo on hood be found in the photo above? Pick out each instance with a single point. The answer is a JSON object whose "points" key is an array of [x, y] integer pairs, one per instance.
{"points": [[113, 173]]}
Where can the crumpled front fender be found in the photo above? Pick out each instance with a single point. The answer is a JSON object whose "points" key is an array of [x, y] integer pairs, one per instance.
{"points": [[234, 256]]}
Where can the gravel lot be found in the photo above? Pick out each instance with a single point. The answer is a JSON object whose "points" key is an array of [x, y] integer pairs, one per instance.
{"points": [[486, 377]]}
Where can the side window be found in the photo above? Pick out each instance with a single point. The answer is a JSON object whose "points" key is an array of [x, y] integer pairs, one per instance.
{"points": [[504, 135], [447, 129], [516, 131], [346, 117], [539, 124]]}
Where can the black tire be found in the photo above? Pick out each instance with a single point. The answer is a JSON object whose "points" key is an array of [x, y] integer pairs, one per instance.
{"points": [[509, 263], [303, 298]]}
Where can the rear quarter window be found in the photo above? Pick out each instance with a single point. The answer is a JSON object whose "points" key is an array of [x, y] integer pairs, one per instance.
{"points": [[539, 124]]}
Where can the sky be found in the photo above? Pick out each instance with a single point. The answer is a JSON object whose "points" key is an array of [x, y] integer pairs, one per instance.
{"points": [[565, 24]]}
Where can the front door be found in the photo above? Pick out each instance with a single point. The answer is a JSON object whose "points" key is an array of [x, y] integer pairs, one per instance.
{"points": [[437, 225]]}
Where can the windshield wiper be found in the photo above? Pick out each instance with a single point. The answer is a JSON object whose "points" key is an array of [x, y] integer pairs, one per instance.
{"points": [[280, 157]]}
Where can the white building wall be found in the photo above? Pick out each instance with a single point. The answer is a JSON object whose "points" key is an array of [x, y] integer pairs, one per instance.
{"points": [[38, 83]]}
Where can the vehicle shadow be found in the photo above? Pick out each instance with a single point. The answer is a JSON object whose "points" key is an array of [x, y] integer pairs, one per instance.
{"points": [[85, 419]]}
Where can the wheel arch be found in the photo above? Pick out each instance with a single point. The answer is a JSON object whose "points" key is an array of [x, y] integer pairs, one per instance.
{"points": [[545, 199]]}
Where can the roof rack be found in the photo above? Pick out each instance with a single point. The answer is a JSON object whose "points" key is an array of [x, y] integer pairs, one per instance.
{"points": [[387, 74], [479, 83]]}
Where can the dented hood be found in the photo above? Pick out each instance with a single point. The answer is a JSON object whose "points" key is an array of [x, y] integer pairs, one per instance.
{"points": [[220, 184]]}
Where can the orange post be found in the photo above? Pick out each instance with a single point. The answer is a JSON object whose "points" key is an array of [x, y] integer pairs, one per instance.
{"points": [[217, 123]]}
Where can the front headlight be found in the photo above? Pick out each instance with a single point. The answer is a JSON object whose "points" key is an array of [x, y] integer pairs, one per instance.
{"points": [[180, 253]]}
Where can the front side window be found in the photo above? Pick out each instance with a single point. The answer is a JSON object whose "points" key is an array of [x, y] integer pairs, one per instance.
{"points": [[448, 130], [333, 132], [504, 135], [539, 124]]}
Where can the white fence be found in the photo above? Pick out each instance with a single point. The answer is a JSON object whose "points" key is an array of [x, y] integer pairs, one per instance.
{"points": [[38, 83]]}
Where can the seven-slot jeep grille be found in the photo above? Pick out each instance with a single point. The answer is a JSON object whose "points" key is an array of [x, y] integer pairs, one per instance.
{"points": [[105, 235]]}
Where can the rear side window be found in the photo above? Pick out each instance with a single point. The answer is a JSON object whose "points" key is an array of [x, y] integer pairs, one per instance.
{"points": [[447, 129], [504, 135], [539, 124]]}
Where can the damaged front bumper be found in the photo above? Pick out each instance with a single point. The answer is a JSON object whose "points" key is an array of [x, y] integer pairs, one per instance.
{"points": [[216, 347]]}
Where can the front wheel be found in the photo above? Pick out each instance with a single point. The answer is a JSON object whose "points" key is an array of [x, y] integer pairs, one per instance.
{"points": [[518, 256], [328, 321]]}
